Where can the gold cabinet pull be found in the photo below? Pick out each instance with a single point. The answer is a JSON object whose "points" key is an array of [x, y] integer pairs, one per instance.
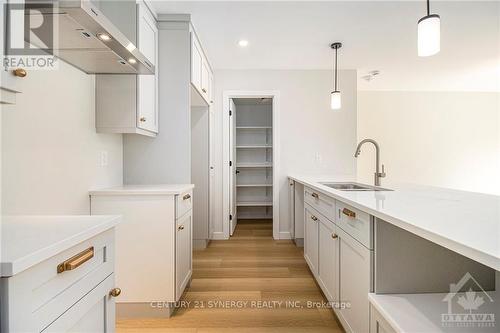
{"points": [[314, 218], [315, 195], [348, 213], [204, 90], [76, 261], [187, 196], [115, 292], [181, 227], [142, 119], [20, 72], [335, 236]]}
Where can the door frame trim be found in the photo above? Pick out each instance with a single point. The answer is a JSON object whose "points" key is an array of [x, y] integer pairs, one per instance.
{"points": [[226, 96]]}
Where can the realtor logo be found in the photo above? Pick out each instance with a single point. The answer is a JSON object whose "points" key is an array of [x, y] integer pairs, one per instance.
{"points": [[31, 37], [464, 308]]}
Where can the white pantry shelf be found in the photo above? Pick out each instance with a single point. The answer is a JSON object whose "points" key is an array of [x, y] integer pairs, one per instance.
{"points": [[254, 203], [254, 185], [253, 127], [254, 146], [255, 165]]}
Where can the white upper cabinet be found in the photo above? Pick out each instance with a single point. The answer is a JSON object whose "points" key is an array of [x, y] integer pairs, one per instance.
{"points": [[129, 103], [201, 73], [147, 108]]}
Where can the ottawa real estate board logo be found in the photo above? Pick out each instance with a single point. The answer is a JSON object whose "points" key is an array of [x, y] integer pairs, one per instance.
{"points": [[31, 37], [470, 308]]}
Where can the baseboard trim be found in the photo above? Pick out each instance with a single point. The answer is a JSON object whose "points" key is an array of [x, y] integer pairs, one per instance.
{"points": [[218, 236], [145, 310], [200, 244], [285, 235], [299, 242]]}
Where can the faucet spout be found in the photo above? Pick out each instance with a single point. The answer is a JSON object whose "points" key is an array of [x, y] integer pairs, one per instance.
{"points": [[378, 174]]}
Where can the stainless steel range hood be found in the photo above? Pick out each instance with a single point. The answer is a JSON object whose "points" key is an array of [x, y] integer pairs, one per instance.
{"points": [[77, 25]]}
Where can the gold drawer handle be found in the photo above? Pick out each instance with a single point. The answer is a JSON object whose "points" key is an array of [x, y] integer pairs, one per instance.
{"points": [[348, 213], [76, 261], [204, 90], [315, 195], [115, 292], [335, 236], [20, 72], [187, 196], [181, 227], [142, 119], [314, 218]]}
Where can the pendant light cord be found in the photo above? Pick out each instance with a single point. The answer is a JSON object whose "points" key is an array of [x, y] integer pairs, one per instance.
{"points": [[335, 71], [428, 8]]}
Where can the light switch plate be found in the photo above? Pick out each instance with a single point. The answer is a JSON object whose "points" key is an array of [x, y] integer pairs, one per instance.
{"points": [[104, 158]]}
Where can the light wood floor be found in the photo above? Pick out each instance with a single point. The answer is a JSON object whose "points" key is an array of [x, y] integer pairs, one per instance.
{"points": [[251, 267]]}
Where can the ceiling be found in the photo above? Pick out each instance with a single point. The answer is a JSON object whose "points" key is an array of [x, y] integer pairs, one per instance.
{"points": [[377, 35]]}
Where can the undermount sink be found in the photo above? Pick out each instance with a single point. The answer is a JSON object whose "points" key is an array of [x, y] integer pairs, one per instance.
{"points": [[341, 186]]}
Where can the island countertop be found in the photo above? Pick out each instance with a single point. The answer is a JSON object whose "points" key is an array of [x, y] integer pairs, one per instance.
{"points": [[465, 222], [29, 240], [161, 189]]}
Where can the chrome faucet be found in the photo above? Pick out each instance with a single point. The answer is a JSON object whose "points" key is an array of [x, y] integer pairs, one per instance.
{"points": [[378, 174]]}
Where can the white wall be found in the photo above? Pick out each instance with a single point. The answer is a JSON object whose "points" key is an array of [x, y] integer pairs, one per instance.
{"points": [[50, 150], [447, 139], [307, 125]]}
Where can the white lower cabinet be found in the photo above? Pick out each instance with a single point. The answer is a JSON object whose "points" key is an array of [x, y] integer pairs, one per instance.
{"points": [[355, 262], [328, 275], [154, 244], [311, 228], [340, 263], [378, 324], [79, 298]]}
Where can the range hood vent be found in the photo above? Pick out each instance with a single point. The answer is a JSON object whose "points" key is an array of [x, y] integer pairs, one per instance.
{"points": [[77, 25]]}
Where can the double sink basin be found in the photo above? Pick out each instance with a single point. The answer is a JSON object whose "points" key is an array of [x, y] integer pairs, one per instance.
{"points": [[351, 187]]}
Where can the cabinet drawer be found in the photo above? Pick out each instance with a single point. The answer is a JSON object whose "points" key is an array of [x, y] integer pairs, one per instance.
{"points": [[356, 223], [183, 203], [48, 294], [321, 202]]}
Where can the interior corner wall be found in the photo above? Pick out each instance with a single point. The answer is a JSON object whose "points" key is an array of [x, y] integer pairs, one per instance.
{"points": [[446, 139], [166, 158], [314, 139]]}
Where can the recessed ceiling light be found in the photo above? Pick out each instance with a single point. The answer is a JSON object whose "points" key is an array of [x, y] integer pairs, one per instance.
{"points": [[243, 43], [104, 37], [132, 61]]}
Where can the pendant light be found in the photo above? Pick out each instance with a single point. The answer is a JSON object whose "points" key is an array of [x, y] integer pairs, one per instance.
{"points": [[335, 98], [429, 34]]}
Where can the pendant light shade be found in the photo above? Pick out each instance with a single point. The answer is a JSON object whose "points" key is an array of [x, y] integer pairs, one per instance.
{"points": [[429, 34], [335, 96], [335, 100]]}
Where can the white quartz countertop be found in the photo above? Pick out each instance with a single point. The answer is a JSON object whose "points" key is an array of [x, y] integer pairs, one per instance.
{"points": [[465, 222], [29, 240], [429, 313], [163, 189]]}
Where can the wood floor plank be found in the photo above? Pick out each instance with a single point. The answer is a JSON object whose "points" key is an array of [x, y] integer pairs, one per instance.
{"points": [[248, 284]]}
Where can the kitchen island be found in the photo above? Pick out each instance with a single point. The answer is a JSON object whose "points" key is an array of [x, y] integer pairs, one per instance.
{"points": [[407, 240]]}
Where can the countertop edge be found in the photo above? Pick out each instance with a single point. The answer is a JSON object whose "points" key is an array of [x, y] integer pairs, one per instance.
{"points": [[152, 191], [472, 253], [9, 269]]}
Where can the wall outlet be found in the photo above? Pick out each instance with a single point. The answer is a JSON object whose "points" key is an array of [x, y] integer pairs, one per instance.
{"points": [[318, 158], [103, 160]]}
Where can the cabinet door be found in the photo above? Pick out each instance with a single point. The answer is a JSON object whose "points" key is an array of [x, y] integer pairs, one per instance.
{"points": [[205, 79], [355, 262], [328, 275], [196, 63], [183, 254], [291, 206], [147, 99], [8, 81], [93, 313], [311, 239]]}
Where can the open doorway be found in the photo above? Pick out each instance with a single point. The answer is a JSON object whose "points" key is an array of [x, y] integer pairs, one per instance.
{"points": [[251, 189]]}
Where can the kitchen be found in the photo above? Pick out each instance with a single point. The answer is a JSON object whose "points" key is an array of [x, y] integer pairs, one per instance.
{"points": [[190, 175]]}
